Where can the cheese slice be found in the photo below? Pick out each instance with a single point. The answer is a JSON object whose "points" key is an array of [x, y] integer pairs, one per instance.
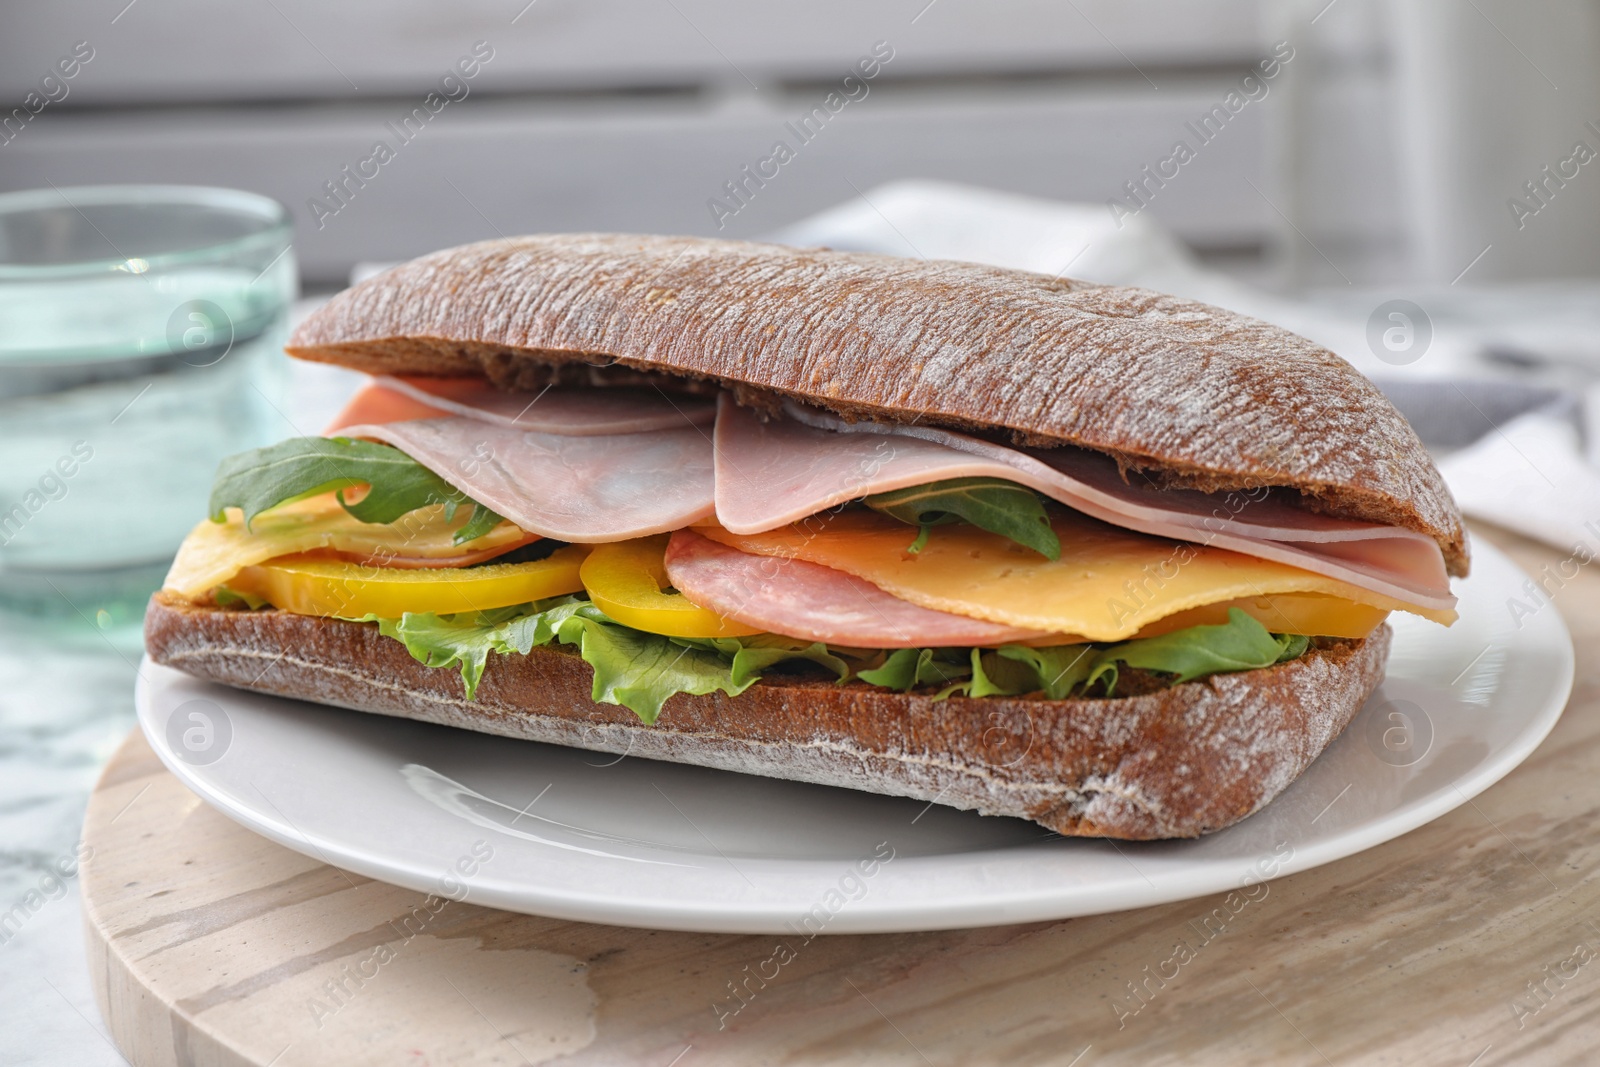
{"points": [[216, 551], [1312, 614], [1108, 585]]}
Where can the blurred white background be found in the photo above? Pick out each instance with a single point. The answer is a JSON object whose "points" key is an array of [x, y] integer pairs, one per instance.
{"points": [[1387, 149]]}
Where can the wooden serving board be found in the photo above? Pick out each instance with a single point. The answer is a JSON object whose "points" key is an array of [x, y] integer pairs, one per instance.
{"points": [[1472, 941]]}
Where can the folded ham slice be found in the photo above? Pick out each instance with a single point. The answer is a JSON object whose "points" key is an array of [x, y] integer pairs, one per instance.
{"points": [[773, 473], [572, 411], [587, 489], [609, 464], [816, 603]]}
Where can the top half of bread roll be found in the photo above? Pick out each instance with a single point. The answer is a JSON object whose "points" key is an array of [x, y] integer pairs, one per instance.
{"points": [[1190, 395]]}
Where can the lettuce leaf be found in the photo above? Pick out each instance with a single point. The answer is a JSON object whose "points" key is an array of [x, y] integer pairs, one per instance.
{"points": [[1240, 644], [634, 669], [1013, 511], [641, 671], [462, 641], [291, 470]]}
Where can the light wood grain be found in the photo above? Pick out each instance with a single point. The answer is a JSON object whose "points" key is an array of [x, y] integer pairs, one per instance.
{"points": [[211, 946]]}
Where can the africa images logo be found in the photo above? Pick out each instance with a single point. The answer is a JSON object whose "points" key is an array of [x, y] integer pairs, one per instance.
{"points": [[199, 732]]}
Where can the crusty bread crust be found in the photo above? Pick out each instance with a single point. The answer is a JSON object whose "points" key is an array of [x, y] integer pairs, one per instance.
{"points": [[1177, 762], [1190, 394]]}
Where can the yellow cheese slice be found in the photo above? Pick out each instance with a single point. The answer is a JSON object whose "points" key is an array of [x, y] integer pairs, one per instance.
{"points": [[216, 551], [1312, 614], [1108, 585]]}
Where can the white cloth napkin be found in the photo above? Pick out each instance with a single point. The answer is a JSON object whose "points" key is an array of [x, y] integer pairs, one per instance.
{"points": [[1521, 455], [1531, 475]]}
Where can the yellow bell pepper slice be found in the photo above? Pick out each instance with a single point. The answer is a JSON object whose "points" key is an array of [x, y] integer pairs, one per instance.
{"points": [[628, 579], [312, 586]]}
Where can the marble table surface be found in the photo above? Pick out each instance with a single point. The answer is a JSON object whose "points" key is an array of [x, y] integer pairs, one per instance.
{"points": [[66, 702]]}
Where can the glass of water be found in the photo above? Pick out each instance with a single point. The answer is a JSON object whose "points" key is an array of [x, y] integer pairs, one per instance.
{"points": [[140, 337]]}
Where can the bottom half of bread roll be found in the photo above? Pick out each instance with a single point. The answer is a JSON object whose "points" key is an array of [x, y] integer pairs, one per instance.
{"points": [[1157, 761]]}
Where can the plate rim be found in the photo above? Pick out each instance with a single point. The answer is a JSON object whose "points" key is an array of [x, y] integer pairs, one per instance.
{"points": [[871, 914]]}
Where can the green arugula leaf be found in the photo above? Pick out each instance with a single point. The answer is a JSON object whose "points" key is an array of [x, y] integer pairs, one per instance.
{"points": [[1001, 507], [292, 470], [483, 520], [993, 676], [750, 661], [1240, 644], [1057, 671], [906, 668], [1294, 646], [752, 655], [980, 673]]}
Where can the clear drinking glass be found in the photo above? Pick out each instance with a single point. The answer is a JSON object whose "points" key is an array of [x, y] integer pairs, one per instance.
{"points": [[140, 332]]}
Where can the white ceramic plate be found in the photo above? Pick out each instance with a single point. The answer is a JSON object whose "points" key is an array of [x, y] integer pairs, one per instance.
{"points": [[585, 836]]}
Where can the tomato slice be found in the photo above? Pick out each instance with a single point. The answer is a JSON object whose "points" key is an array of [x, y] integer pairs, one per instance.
{"points": [[308, 585], [374, 405], [628, 579]]}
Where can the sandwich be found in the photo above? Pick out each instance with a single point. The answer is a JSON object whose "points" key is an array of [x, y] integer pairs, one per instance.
{"points": [[1109, 560]]}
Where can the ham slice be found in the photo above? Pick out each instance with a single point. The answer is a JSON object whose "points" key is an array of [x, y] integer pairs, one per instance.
{"points": [[610, 464], [816, 603], [588, 489], [770, 474], [571, 411]]}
